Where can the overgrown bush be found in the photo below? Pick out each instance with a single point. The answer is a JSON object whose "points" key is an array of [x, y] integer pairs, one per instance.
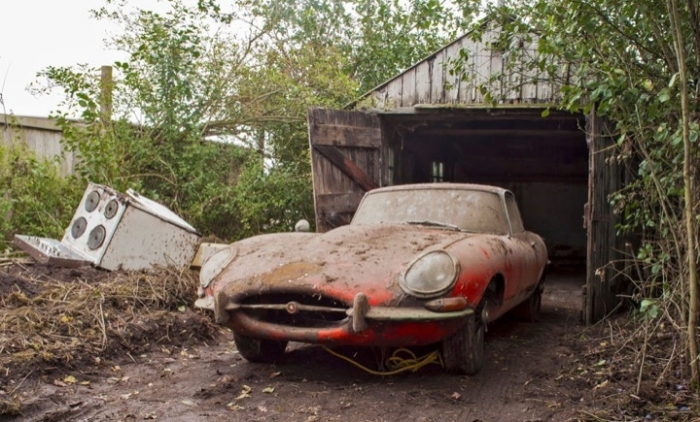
{"points": [[36, 199]]}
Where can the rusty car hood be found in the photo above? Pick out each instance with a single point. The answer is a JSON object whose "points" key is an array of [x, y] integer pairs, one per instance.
{"points": [[341, 262]]}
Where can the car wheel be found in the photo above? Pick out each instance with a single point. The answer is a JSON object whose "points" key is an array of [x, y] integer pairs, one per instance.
{"points": [[463, 352], [259, 350], [530, 309]]}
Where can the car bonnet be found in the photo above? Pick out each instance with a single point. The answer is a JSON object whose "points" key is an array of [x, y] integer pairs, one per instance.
{"points": [[342, 262]]}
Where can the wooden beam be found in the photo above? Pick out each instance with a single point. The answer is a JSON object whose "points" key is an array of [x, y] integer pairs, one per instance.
{"points": [[346, 165], [540, 133], [357, 137]]}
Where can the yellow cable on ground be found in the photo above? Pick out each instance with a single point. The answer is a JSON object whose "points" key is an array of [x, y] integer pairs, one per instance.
{"points": [[396, 363]]}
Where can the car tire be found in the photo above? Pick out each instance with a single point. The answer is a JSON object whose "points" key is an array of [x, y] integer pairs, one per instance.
{"points": [[529, 310], [259, 350], [463, 352]]}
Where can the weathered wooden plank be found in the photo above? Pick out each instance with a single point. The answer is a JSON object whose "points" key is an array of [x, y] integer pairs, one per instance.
{"points": [[423, 82], [336, 135], [437, 84], [327, 178], [496, 69], [408, 97], [466, 87], [380, 98], [342, 203], [395, 91], [453, 79], [604, 179], [347, 166], [338, 164], [482, 63], [334, 210]]}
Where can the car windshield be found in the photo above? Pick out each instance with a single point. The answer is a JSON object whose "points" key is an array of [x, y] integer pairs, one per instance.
{"points": [[470, 210]]}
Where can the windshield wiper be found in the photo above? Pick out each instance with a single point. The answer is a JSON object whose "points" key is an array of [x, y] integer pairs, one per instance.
{"points": [[434, 224]]}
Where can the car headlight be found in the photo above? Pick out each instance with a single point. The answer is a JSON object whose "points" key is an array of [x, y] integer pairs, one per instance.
{"points": [[215, 264], [430, 275]]}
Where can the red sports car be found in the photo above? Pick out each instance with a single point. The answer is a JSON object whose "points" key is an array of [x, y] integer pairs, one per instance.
{"points": [[419, 264]]}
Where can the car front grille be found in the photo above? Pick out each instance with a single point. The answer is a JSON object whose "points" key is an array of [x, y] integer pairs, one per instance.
{"points": [[298, 310]]}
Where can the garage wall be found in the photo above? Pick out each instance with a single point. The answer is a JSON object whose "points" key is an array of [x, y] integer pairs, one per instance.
{"points": [[555, 212]]}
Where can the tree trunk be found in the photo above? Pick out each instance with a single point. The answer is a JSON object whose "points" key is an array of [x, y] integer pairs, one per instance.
{"points": [[688, 180]]}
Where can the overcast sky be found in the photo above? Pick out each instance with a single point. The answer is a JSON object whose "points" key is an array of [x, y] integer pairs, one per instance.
{"points": [[35, 34]]}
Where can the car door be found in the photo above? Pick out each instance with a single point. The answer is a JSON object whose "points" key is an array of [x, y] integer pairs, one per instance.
{"points": [[529, 250]]}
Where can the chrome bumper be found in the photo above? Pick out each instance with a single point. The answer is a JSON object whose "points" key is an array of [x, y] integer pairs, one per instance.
{"points": [[360, 313]]}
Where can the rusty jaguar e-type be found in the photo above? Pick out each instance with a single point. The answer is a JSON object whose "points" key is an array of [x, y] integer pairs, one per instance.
{"points": [[418, 265]]}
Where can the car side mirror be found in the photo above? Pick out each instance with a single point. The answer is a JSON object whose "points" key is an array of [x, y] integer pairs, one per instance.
{"points": [[302, 226]]}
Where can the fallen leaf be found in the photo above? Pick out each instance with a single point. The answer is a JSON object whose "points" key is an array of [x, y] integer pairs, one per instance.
{"points": [[70, 379], [189, 403], [84, 382], [245, 392], [268, 390], [275, 374], [601, 385], [262, 409], [150, 416], [456, 396], [59, 383]]}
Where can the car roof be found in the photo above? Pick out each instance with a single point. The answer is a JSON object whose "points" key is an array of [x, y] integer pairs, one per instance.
{"points": [[443, 185]]}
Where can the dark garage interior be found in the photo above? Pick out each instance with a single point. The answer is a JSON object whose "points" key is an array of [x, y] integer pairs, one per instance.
{"points": [[542, 160]]}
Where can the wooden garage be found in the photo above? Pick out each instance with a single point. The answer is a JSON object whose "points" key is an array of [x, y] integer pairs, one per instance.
{"points": [[488, 121]]}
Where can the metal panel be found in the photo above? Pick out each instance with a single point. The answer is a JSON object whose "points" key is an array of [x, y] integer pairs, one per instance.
{"points": [[144, 240], [116, 231], [95, 221]]}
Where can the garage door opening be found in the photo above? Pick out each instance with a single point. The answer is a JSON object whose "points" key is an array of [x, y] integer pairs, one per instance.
{"points": [[543, 161], [555, 165]]}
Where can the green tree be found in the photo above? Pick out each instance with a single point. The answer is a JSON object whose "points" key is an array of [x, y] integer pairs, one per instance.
{"points": [[243, 77], [633, 63]]}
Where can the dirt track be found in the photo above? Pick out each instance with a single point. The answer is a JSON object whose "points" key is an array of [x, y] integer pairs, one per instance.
{"points": [[527, 378]]}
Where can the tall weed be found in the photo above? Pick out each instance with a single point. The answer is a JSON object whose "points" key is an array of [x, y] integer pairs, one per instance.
{"points": [[36, 199]]}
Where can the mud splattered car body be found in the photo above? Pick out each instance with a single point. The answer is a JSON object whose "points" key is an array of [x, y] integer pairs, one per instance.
{"points": [[419, 264]]}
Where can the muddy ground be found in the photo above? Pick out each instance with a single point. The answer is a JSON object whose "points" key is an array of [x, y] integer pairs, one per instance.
{"points": [[546, 371]]}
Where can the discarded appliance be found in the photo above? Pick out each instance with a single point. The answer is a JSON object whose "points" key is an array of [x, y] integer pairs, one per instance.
{"points": [[114, 231]]}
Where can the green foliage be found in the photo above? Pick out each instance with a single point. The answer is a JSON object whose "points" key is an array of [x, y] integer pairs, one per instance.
{"points": [[620, 59], [271, 200], [208, 110], [36, 199]]}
